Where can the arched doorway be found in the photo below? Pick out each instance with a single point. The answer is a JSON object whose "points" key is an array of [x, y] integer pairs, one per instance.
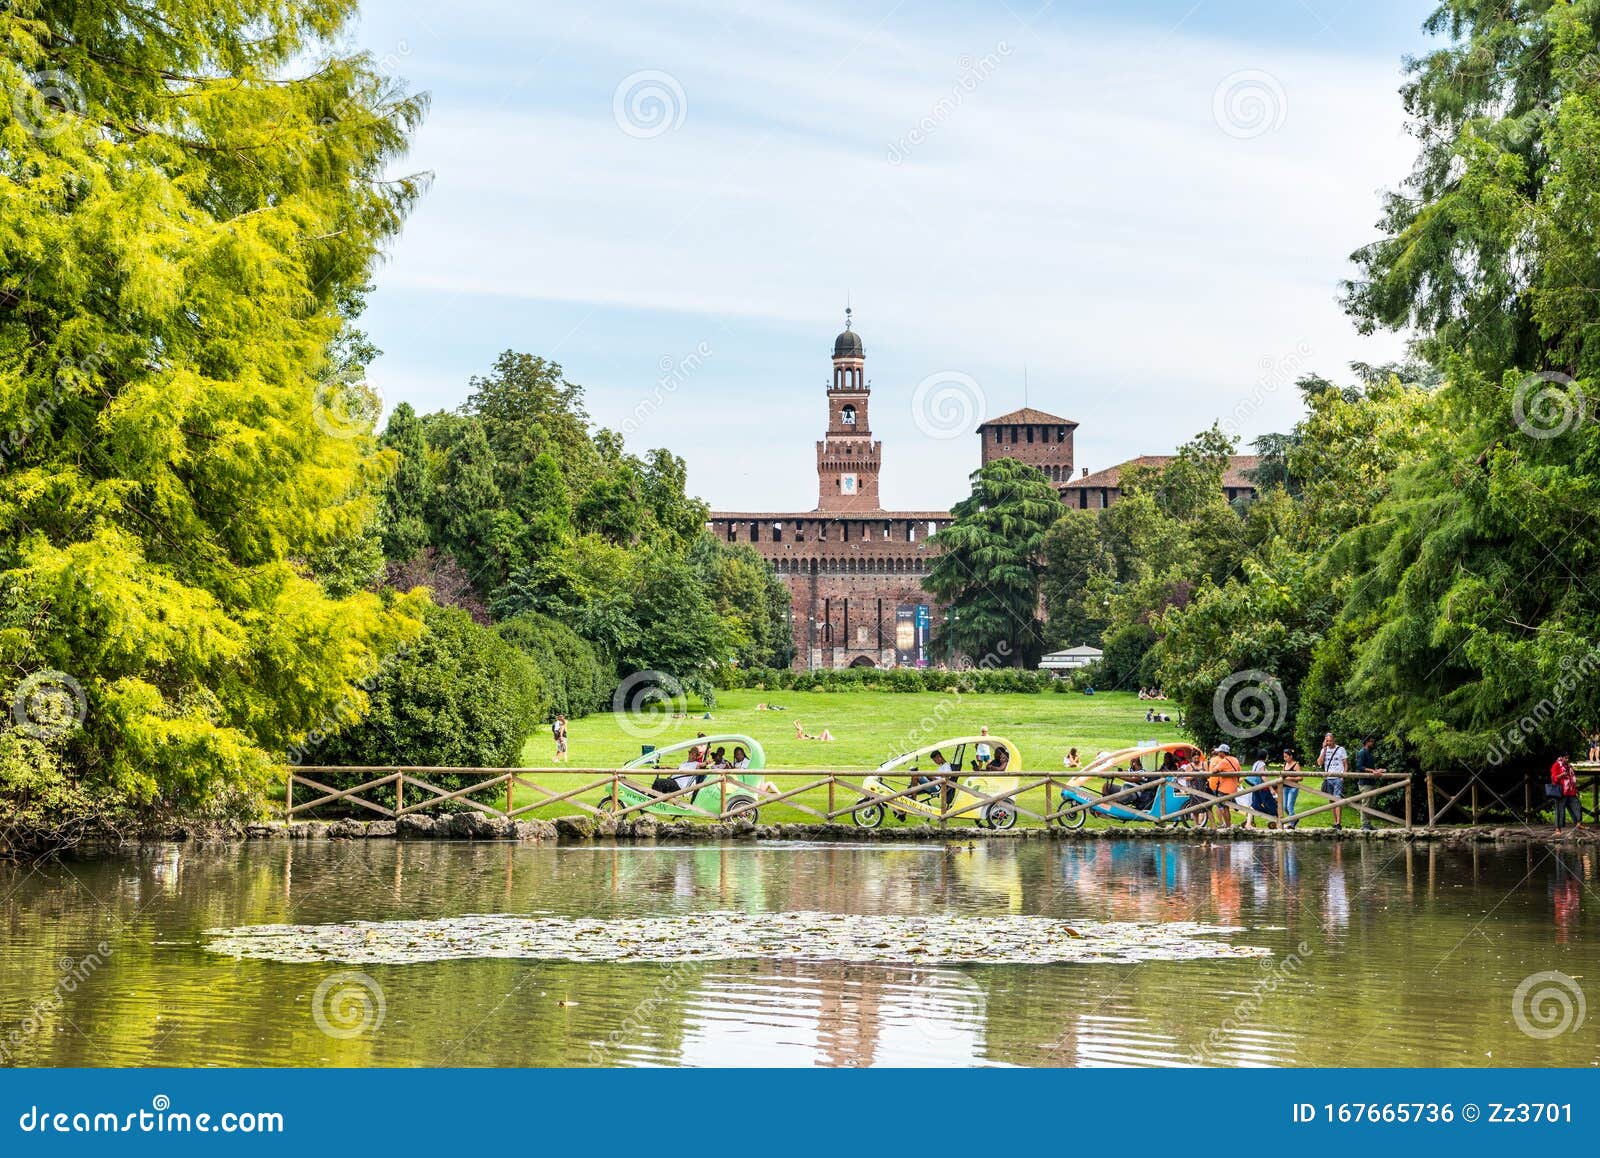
{"points": [[863, 661]]}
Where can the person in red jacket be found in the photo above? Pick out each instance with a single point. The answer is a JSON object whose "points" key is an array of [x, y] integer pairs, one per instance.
{"points": [[1565, 782]]}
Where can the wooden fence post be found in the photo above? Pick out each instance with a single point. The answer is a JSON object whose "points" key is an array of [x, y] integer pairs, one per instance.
{"points": [[288, 799], [1431, 814]]}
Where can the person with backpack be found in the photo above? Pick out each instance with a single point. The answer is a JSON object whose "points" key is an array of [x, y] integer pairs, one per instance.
{"points": [[558, 731], [1564, 791], [1334, 762], [1367, 773]]}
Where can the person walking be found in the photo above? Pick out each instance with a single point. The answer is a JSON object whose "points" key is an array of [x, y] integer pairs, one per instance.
{"points": [[1564, 789], [1334, 762], [558, 731]]}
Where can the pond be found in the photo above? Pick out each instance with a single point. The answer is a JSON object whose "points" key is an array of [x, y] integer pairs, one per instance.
{"points": [[1244, 953]]}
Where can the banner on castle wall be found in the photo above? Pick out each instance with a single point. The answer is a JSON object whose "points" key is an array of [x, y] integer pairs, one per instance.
{"points": [[911, 624]]}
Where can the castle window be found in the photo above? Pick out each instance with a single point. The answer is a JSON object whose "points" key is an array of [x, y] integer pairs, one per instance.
{"points": [[997, 435], [755, 532], [848, 416], [733, 533], [1013, 436], [1030, 434], [777, 532], [1061, 434]]}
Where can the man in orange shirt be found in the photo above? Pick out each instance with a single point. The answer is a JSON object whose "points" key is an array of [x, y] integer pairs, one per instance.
{"points": [[1224, 779]]}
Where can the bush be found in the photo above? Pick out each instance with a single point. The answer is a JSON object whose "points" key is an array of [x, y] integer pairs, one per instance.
{"points": [[903, 679], [41, 810], [462, 695], [572, 672]]}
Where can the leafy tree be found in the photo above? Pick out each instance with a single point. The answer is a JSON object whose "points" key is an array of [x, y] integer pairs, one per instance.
{"points": [[1076, 566], [1466, 608], [987, 569], [190, 204]]}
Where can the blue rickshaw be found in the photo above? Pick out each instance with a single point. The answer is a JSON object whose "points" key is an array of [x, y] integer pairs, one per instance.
{"points": [[1118, 771]]}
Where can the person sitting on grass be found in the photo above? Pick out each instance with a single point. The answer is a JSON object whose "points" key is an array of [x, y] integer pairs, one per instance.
{"points": [[1071, 759]]}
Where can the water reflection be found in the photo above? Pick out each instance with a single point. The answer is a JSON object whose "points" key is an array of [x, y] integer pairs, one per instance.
{"points": [[1410, 956]]}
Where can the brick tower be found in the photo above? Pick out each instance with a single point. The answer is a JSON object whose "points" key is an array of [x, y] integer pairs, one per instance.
{"points": [[847, 459]]}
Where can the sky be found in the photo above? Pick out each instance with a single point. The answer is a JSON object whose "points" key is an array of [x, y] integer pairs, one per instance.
{"points": [[1132, 214]]}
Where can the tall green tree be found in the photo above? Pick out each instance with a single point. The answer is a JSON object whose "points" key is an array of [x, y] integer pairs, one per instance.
{"points": [[190, 203], [988, 565], [404, 514], [1077, 565], [1470, 604]]}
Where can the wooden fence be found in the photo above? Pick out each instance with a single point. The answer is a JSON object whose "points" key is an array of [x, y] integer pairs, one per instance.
{"points": [[1444, 797], [1426, 799]]}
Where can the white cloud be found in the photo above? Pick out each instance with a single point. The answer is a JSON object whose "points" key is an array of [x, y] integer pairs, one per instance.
{"points": [[1077, 210]]}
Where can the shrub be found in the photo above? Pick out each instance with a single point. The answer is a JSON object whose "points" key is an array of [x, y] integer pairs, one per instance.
{"points": [[576, 681], [462, 695]]}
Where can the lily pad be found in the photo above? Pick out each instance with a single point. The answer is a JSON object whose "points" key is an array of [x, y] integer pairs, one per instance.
{"points": [[728, 936]]}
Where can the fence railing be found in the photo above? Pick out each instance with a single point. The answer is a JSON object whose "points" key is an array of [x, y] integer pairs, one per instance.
{"points": [[1426, 799]]}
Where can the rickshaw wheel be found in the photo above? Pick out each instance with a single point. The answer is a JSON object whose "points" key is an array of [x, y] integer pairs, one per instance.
{"points": [[868, 815], [1002, 815], [1201, 819], [606, 805], [1074, 820], [740, 802]]}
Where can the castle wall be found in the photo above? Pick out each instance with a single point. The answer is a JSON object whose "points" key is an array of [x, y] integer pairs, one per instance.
{"points": [[848, 578]]}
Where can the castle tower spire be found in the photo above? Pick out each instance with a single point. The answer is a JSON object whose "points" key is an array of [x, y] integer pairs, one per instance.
{"points": [[847, 458]]}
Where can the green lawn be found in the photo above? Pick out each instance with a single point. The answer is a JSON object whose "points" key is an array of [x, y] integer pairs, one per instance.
{"points": [[870, 727]]}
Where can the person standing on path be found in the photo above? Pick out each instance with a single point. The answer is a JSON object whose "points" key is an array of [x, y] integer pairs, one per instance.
{"points": [[1564, 783], [1290, 789], [1224, 781], [1334, 762]]}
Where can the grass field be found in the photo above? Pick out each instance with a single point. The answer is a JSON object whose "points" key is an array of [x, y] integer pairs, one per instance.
{"points": [[870, 727]]}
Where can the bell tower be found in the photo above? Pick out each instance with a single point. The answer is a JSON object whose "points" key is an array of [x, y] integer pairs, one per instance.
{"points": [[847, 458]]}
